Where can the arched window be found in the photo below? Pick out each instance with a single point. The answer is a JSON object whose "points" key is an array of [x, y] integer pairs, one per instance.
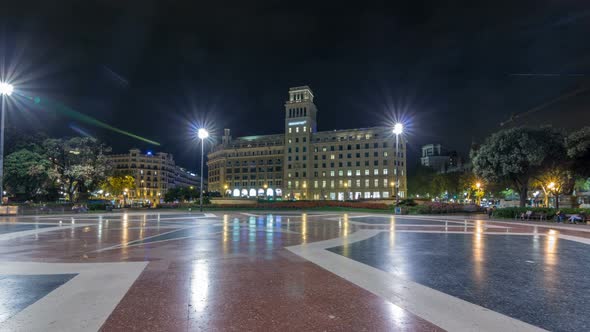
{"points": [[252, 192], [260, 192], [236, 192], [244, 192], [269, 192], [278, 192]]}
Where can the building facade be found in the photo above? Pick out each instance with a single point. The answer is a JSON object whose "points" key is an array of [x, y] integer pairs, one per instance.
{"points": [[441, 160], [154, 173], [303, 163]]}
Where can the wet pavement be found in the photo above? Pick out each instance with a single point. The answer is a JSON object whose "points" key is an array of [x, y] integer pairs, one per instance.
{"points": [[290, 271]]}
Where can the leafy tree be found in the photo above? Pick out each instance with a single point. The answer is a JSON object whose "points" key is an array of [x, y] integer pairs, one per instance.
{"points": [[16, 139], [27, 173], [420, 180], [553, 182], [578, 149], [517, 155], [116, 183], [181, 194], [582, 184], [80, 164]]}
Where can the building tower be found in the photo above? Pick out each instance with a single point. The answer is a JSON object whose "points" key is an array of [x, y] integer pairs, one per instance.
{"points": [[300, 124]]}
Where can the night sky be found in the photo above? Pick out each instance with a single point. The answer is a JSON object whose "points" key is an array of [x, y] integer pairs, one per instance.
{"points": [[452, 70]]}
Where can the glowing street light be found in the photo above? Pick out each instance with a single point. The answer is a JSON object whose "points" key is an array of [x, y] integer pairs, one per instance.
{"points": [[6, 90], [202, 133], [398, 129], [477, 196]]}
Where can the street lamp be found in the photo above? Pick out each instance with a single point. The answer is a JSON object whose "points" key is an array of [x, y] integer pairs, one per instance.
{"points": [[203, 134], [346, 190], [398, 129], [553, 187], [6, 90], [478, 186]]}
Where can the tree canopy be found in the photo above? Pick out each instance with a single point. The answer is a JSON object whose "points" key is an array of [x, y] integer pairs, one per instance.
{"points": [[79, 163], [27, 173], [517, 155]]}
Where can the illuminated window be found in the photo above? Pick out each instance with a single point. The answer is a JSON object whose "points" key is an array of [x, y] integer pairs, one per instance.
{"points": [[331, 183], [315, 184], [349, 172], [324, 184], [367, 183], [367, 172], [376, 171], [304, 129], [384, 153], [385, 171], [358, 183], [385, 183], [340, 173], [358, 172], [331, 173], [332, 157], [376, 183], [290, 130], [296, 129]]}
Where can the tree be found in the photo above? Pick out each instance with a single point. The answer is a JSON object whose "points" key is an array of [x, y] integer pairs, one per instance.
{"points": [[578, 149], [420, 180], [79, 163], [116, 183], [517, 155], [27, 173]]}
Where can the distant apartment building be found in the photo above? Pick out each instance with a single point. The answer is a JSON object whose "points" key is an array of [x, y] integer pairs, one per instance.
{"points": [[303, 163], [439, 159], [154, 173]]}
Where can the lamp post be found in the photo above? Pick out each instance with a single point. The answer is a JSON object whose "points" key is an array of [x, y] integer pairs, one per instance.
{"points": [[5, 91], [398, 129], [346, 191], [552, 187], [478, 186], [203, 134]]}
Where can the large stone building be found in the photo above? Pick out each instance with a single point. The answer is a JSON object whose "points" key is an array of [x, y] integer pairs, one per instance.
{"points": [[154, 174], [302, 163], [439, 159]]}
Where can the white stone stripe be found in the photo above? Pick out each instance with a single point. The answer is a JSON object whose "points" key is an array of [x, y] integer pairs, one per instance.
{"points": [[58, 227], [445, 311], [81, 304]]}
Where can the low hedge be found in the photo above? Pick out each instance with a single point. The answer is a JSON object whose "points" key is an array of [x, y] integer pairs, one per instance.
{"points": [[440, 208], [511, 212]]}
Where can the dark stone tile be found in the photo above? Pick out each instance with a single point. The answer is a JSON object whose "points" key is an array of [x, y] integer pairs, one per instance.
{"points": [[20, 291], [537, 279]]}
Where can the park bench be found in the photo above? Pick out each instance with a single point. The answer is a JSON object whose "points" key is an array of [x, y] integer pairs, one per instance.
{"points": [[530, 215], [581, 215]]}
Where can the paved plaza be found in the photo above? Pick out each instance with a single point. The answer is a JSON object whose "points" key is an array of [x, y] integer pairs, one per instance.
{"points": [[290, 271]]}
